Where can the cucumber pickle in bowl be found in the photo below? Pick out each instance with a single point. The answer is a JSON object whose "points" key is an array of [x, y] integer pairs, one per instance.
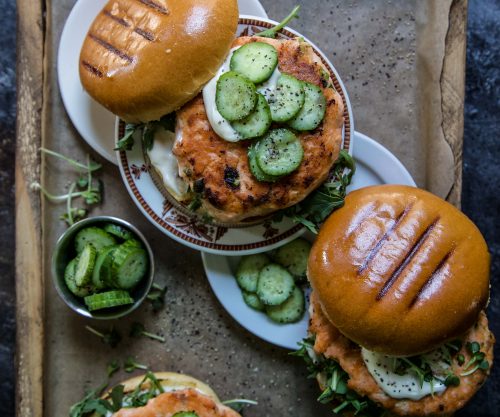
{"points": [[102, 267]]}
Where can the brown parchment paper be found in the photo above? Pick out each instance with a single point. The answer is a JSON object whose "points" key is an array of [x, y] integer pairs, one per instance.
{"points": [[391, 57]]}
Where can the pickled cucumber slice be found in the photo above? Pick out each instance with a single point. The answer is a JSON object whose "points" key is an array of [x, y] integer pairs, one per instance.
{"points": [[108, 299], [69, 279], [256, 61], [129, 266], [248, 271], [235, 96], [85, 266], [294, 256], [98, 275], [118, 231], [275, 284], [95, 236], [251, 300], [290, 311]]}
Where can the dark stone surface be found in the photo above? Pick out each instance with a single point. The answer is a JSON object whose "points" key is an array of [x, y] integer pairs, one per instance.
{"points": [[7, 145], [481, 184], [481, 197]]}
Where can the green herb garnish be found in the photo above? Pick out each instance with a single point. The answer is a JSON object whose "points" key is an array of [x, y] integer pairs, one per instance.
{"points": [[112, 367], [336, 389], [126, 143], [111, 337], [157, 297], [89, 190], [91, 403], [271, 33], [330, 196], [138, 330], [131, 365], [477, 360]]}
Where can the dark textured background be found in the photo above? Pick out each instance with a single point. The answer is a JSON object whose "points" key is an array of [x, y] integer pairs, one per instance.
{"points": [[480, 199]]}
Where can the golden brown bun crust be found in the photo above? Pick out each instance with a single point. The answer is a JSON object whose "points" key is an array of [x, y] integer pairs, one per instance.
{"points": [[142, 59], [399, 271], [332, 344]]}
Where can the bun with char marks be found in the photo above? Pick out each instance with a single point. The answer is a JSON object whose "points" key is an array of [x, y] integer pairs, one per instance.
{"points": [[400, 271], [142, 59]]}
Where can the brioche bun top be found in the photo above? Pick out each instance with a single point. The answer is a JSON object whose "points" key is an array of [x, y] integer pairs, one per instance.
{"points": [[144, 59], [400, 271]]}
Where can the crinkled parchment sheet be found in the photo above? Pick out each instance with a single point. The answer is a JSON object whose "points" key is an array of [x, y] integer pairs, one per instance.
{"points": [[391, 57]]}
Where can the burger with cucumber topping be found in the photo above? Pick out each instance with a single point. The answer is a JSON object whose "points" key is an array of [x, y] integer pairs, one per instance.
{"points": [[400, 281], [235, 129]]}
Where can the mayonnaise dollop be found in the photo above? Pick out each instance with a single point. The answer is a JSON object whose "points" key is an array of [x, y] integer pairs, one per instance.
{"points": [[219, 124], [408, 385], [165, 162]]}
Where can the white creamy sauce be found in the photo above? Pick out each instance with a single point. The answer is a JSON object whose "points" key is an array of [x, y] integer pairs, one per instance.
{"points": [[166, 164], [219, 124], [405, 386]]}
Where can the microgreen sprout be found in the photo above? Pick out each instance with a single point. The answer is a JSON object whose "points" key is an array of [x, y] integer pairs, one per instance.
{"points": [[131, 365], [138, 330], [126, 143], [111, 337], [271, 33], [477, 360], [112, 367], [328, 197], [157, 297], [88, 190]]}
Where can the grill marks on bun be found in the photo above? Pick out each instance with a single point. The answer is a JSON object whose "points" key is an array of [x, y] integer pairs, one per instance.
{"points": [[402, 276], [142, 59]]}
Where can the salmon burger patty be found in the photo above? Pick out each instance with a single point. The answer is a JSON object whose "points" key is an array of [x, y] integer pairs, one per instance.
{"points": [[205, 158], [330, 343]]}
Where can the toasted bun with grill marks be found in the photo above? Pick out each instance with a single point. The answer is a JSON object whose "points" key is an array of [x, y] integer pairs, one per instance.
{"points": [[143, 59], [400, 271]]}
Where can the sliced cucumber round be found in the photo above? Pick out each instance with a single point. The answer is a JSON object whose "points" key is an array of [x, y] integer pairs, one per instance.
{"points": [[287, 99], [108, 299], [256, 61], [85, 265], [275, 284], [279, 152], [247, 273], [255, 168], [69, 279], [291, 311], [129, 266], [132, 242], [95, 236], [294, 256], [312, 113], [185, 414], [118, 231], [235, 96], [256, 123], [98, 274], [251, 300]]}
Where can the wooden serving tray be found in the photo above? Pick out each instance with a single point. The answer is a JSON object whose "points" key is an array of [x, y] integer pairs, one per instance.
{"points": [[56, 357]]}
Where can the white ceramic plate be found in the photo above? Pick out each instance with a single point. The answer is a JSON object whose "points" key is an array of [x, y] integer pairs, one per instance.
{"points": [[375, 165], [179, 224], [95, 124]]}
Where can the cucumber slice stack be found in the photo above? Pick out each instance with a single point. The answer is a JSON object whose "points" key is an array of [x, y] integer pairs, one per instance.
{"points": [[288, 102], [109, 263], [273, 288]]}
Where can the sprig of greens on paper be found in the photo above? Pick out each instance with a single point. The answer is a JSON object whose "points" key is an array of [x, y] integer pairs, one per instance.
{"points": [[85, 187]]}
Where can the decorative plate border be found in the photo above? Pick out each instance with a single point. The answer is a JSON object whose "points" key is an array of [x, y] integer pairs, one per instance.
{"points": [[196, 234]]}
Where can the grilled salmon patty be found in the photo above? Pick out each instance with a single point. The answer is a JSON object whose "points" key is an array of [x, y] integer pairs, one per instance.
{"points": [[205, 158], [332, 344], [170, 403]]}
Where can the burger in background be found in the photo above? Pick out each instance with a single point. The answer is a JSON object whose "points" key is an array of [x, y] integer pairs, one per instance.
{"points": [[400, 281]]}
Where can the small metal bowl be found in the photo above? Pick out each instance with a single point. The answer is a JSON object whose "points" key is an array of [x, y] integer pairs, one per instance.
{"points": [[64, 252]]}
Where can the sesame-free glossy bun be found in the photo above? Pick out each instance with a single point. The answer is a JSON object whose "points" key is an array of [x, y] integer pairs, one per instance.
{"points": [[142, 59], [399, 270]]}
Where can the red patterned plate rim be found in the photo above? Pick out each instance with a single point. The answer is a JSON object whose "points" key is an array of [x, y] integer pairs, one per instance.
{"points": [[251, 23]]}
